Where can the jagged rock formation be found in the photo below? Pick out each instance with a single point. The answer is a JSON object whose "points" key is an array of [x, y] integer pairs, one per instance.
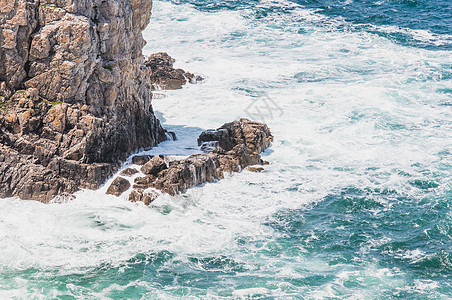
{"points": [[118, 186], [75, 93], [238, 145], [165, 76]]}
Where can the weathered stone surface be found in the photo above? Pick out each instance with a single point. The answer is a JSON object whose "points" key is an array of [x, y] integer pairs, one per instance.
{"points": [[255, 169], [40, 178], [214, 138], [154, 166], [143, 196], [141, 159], [118, 186], [242, 139], [128, 172], [75, 93], [254, 135], [165, 76]]}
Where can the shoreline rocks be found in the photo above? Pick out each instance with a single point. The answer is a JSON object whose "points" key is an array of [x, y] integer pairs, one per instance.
{"points": [[75, 93], [154, 166], [242, 140]]}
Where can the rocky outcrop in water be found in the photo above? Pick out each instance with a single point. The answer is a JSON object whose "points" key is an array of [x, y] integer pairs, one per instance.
{"points": [[238, 145], [75, 93], [118, 186], [165, 76]]}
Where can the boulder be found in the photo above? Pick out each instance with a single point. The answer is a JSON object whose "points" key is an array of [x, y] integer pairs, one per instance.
{"points": [[147, 197], [165, 76], [141, 159], [144, 182], [216, 137], [154, 166], [118, 186], [255, 169], [128, 172]]}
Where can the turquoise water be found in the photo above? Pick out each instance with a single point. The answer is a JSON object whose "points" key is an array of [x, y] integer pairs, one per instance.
{"points": [[356, 203]]}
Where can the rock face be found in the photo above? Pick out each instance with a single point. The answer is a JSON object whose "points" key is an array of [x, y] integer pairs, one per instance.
{"points": [[165, 76], [140, 159], [154, 166], [118, 186], [240, 143], [75, 93], [255, 169]]}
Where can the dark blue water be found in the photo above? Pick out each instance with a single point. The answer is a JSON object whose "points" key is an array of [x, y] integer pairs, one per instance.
{"points": [[393, 19]]}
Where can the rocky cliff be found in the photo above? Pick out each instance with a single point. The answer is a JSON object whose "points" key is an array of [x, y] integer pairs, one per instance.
{"points": [[75, 93]]}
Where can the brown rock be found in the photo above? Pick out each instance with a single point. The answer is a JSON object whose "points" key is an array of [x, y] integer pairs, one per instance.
{"points": [[147, 197], [128, 172], [118, 186], [141, 159], [253, 135], [154, 166], [255, 169], [241, 138], [165, 76], [145, 181], [55, 118], [212, 138]]}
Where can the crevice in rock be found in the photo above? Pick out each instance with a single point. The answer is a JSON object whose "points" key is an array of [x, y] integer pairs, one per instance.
{"points": [[35, 31]]}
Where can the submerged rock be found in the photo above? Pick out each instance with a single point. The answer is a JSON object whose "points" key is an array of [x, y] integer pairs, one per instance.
{"points": [[143, 196], [255, 169]]}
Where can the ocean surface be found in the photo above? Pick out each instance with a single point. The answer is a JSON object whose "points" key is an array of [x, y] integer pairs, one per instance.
{"points": [[355, 204]]}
